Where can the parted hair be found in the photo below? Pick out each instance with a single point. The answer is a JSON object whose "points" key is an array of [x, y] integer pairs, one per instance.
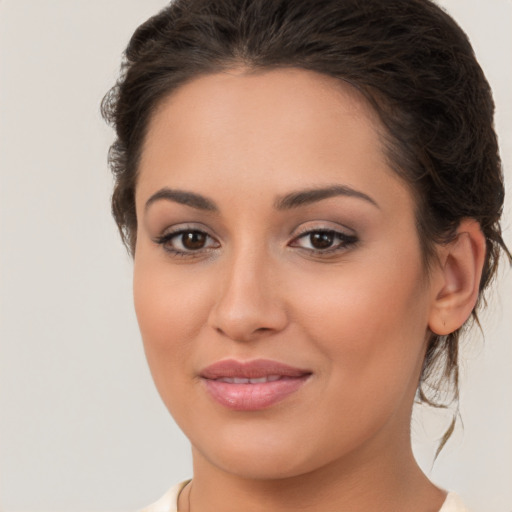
{"points": [[411, 61]]}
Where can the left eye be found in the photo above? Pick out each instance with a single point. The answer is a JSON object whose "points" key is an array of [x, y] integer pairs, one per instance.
{"points": [[187, 241], [323, 240]]}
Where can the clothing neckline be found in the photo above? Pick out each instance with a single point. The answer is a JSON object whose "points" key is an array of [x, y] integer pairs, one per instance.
{"points": [[169, 501]]}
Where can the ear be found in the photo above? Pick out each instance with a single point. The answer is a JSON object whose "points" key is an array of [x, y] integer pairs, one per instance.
{"points": [[457, 278]]}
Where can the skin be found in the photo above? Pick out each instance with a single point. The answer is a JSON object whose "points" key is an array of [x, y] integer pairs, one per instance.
{"points": [[357, 317]]}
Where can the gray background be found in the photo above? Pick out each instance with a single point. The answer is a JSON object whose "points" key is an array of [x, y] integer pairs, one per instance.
{"points": [[81, 426]]}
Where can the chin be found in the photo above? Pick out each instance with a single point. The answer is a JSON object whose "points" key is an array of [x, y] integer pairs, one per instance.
{"points": [[256, 456], [260, 464]]}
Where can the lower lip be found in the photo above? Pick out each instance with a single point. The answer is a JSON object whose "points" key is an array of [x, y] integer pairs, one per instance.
{"points": [[253, 397]]}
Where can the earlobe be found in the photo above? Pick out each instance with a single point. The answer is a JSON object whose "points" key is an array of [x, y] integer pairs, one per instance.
{"points": [[459, 272]]}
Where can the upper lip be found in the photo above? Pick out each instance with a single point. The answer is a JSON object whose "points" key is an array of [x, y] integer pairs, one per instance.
{"points": [[254, 369]]}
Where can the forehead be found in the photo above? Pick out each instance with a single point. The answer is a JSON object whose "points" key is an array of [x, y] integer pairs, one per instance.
{"points": [[240, 87], [256, 99], [279, 129]]}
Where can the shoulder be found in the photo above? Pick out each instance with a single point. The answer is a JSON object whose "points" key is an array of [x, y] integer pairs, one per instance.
{"points": [[169, 501], [453, 503]]}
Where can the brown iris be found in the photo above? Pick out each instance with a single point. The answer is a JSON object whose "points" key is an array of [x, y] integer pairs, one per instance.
{"points": [[193, 240], [322, 239]]}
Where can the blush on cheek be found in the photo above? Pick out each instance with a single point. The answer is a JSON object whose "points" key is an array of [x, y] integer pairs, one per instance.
{"points": [[368, 319]]}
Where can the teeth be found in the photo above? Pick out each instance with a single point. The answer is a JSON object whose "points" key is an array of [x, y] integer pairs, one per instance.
{"points": [[258, 381], [241, 380]]}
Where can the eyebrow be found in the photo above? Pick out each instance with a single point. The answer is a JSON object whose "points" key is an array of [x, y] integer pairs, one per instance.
{"points": [[305, 197], [286, 202], [180, 196]]}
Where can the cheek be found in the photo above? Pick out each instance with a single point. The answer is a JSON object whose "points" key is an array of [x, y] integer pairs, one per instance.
{"points": [[369, 319], [170, 308], [370, 328]]}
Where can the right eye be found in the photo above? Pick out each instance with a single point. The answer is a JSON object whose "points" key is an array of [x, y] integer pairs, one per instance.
{"points": [[324, 241], [186, 242]]}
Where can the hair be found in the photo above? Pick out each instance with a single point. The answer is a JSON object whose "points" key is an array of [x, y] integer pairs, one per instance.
{"points": [[411, 61]]}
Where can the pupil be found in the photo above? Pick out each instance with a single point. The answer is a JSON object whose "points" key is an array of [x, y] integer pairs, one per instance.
{"points": [[193, 240], [322, 240]]}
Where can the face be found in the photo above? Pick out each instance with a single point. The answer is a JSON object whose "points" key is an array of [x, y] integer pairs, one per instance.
{"points": [[278, 278]]}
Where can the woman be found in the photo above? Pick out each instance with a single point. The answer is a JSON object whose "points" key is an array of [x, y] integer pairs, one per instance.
{"points": [[311, 191]]}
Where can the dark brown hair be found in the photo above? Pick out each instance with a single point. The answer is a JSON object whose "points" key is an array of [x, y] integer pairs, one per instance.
{"points": [[408, 57]]}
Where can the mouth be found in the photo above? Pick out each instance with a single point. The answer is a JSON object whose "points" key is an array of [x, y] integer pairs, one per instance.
{"points": [[252, 385]]}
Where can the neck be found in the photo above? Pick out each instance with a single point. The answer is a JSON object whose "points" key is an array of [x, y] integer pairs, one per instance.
{"points": [[388, 480]]}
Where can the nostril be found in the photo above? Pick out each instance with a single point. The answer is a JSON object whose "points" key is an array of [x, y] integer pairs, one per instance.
{"points": [[241, 314], [241, 334]]}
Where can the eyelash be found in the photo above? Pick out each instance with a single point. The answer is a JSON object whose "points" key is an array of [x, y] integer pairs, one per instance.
{"points": [[345, 241], [166, 239]]}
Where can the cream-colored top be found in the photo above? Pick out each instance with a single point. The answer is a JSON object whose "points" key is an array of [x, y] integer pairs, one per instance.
{"points": [[169, 501]]}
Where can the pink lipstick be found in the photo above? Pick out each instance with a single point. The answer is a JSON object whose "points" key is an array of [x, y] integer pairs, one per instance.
{"points": [[252, 385]]}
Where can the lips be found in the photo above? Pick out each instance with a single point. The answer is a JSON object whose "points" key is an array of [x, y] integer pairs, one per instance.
{"points": [[252, 385]]}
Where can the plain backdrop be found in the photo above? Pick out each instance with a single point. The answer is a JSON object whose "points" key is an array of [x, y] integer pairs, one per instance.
{"points": [[81, 425]]}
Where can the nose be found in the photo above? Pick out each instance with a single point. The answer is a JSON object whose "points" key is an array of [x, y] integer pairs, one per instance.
{"points": [[249, 304]]}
